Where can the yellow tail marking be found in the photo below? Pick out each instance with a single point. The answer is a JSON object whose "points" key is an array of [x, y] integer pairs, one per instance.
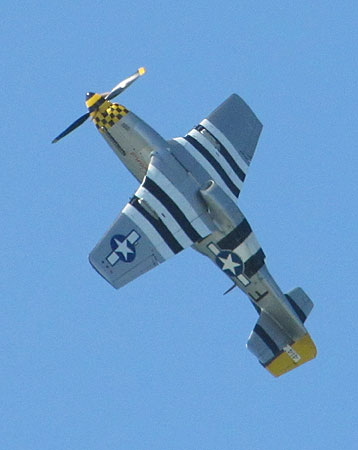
{"points": [[283, 363]]}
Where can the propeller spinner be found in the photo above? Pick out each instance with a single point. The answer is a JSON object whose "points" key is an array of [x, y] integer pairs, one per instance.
{"points": [[118, 89]]}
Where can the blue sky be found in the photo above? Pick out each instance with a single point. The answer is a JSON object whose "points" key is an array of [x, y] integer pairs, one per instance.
{"points": [[162, 363]]}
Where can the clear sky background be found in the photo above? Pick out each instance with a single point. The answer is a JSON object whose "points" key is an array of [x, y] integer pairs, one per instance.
{"points": [[162, 363]]}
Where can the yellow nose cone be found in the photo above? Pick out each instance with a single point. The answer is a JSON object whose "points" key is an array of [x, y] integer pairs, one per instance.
{"points": [[92, 99]]}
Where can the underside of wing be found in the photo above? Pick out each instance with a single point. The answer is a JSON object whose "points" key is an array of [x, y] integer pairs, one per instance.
{"points": [[224, 143], [158, 222], [235, 124], [125, 251]]}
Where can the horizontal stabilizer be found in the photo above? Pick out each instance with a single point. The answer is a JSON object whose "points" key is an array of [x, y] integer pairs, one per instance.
{"points": [[300, 302], [275, 349]]}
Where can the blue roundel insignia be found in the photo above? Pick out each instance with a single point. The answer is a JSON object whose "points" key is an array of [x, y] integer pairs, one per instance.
{"points": [[123, 248], [230, 263]]}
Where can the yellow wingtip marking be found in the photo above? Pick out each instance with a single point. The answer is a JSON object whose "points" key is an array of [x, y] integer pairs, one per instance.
{"points": [[141, 71], [306, 349]]}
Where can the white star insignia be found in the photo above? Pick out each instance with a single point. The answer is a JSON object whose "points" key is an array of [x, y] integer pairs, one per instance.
{"points": [[122, 247], [229, 264]]}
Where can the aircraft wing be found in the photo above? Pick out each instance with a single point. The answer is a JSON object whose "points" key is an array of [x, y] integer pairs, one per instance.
{"points": [[224, 144], [159, 221]]}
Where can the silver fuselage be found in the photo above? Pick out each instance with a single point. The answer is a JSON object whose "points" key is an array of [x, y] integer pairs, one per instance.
{"points": [[134, 141]]}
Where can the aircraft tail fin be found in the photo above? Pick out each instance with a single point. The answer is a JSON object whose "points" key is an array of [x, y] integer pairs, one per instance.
{"points": [[275, 349]]}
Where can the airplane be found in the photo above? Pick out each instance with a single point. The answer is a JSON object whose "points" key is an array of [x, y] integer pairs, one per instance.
{"points": [[187, 197]]}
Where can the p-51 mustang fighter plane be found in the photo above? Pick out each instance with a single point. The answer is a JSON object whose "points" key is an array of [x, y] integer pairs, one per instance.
{"points": [[187, 198]]}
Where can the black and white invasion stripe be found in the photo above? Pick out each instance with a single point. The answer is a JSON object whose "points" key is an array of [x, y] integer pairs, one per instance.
{"points": [[226, 144], [217, 156], [165, 215], [268, 340], [230, 159], [242, 241], [152, 229], [300, 313], [210, 164]]}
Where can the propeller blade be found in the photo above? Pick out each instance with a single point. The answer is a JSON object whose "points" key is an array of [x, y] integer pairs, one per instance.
{"points": [[72, 127], [120, 87]]}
